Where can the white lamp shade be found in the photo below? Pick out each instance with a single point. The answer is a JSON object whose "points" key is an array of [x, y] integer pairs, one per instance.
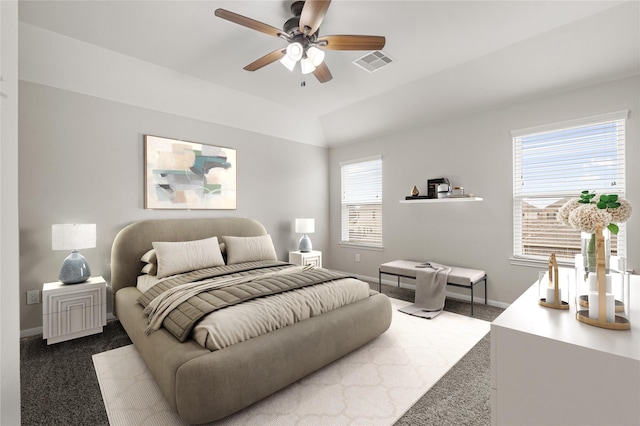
{"points": [[73, 236], [289, 63], [294, 51], [305, 226], [307, 66], [316, 55]]}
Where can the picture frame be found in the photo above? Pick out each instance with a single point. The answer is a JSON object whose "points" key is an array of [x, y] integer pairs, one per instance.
{"points": [[188, 175]]}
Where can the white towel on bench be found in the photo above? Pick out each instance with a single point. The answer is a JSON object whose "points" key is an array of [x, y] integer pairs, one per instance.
{"points": [[431, 290]]}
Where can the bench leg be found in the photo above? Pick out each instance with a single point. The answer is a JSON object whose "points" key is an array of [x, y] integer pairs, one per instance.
{"points": [[471, 299], [379, 281], [485, 289]]}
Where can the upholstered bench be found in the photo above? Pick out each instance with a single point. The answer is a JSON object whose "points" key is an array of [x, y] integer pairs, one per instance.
{"points": [[458, 277]]}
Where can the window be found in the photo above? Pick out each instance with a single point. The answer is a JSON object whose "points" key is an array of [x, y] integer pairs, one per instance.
{"points": [[361, 203], [555, 163]]}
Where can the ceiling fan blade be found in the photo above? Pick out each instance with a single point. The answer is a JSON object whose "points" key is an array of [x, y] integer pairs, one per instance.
{"points": [[352, 42], [312, 15], [250, 23], [322, 73], [266, 60]]}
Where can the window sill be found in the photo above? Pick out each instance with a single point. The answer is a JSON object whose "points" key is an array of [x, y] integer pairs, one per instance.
{"points": [[537, 263], [360, 246]]}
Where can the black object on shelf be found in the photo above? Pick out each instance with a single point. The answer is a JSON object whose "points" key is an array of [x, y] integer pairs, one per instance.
{"points": [[432, 186]]}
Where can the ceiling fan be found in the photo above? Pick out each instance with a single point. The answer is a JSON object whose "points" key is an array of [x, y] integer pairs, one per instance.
{"points": [[305, 44]]}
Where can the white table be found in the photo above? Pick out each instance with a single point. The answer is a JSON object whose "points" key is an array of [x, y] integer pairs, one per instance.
{"points": [[548, 368]]}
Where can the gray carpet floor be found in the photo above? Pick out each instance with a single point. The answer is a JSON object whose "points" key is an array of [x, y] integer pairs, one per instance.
{"points": [[463, 395], [59, 384]]}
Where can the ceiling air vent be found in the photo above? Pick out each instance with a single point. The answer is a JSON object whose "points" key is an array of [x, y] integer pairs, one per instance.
{"points": [[373, 61]]}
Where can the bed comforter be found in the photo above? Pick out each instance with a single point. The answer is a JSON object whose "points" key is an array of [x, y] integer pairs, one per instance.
{"points": [[268, 295]]}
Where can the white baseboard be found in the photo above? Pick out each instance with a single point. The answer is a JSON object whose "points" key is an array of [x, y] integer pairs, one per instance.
{"points": [[30, 332], [452, 295]]}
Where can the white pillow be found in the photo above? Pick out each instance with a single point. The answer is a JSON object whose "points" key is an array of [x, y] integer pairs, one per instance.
{"points": [[150, 268], [149, 257], [185, 256], [248, 249]]}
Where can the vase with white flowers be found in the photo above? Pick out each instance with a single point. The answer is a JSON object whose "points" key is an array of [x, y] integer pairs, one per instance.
{"points": [[590, 210], [596, 215]]}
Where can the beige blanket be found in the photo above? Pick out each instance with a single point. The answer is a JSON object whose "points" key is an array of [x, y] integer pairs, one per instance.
{"points": [[254, 318], [161, 306], [431, 289], [177, 304]]}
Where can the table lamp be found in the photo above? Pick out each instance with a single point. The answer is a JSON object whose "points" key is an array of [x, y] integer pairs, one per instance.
{"points": [[75, 268], [305, 226]]}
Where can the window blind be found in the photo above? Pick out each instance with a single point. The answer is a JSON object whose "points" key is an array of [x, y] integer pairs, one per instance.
{"points": [[555, 163], [361, 202]]}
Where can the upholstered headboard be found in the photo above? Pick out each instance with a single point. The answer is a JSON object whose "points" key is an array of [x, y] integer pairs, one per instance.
{"points": [[135, 239]]}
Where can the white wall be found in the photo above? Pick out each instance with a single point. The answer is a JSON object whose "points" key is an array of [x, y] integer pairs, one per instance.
{"points": [[9, 295], [81, 161], [474, 152]]}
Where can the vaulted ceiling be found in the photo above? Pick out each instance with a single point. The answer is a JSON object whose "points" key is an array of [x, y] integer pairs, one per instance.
{"points": [[450, 58]]}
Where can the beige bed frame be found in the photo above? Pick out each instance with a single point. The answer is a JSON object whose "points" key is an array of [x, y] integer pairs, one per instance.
{"points": [[203, 386]]}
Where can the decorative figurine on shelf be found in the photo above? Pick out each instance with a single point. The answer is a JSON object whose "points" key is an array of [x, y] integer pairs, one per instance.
{"points": [[414, 191], [553, 291]]}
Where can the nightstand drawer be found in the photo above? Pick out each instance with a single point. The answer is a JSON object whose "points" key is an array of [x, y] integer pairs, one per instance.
{"points": [[313, 261], [299, 258]]}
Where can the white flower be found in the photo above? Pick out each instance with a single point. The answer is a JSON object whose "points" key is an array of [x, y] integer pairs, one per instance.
{"points": [[566, 209], [622, 213], [586, 217]]}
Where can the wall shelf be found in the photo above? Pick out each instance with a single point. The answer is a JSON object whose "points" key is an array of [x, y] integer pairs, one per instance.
{"points": [[441, 200]]}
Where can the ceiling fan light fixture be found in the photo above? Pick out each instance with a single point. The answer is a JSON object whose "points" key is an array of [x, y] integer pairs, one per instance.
{"points": [[307, 66], [294, 51], [315, 55], [303, 40], [289, 63]]}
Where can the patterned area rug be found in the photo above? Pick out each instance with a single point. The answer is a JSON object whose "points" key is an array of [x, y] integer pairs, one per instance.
{"points": [[374, 385]]}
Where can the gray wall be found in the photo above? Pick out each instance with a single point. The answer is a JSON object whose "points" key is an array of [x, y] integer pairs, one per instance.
{"points": [[81, 159], [474, 152]]}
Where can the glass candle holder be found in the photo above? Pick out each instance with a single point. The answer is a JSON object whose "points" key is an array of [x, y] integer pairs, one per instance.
{"points": [[614, 314], [553, 293]]}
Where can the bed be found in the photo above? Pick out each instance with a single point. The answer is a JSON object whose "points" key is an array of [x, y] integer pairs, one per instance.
{"points": [[205, 385]]}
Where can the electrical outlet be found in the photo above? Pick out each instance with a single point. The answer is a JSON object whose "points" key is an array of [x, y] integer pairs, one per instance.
{"points": [[33, 297], [357, 257]]}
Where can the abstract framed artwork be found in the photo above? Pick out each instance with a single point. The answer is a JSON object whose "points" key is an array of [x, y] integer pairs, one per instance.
{"points": [[188, 175]]}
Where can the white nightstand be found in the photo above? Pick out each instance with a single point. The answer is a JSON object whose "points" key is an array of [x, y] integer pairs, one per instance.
{"points": [[312, 257], [73, 310]]}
